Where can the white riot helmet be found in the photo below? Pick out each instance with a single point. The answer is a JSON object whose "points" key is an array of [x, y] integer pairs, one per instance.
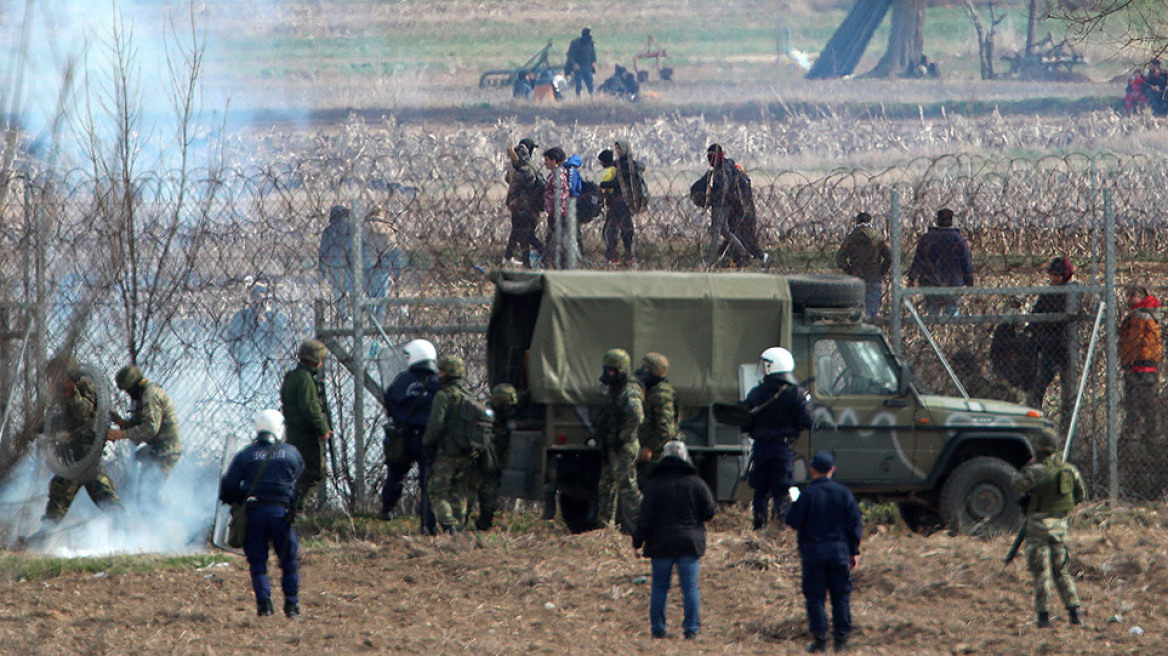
{"points": [[269, 426], [421, 352], [776, 360]]}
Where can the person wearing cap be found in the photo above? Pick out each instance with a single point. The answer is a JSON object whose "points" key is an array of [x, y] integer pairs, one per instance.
{"points": [[617, 431], [1140, 349], [307, 420], [525, 198], [830, 526], [256, 332], [153, 426], [1054, 487], [671, 529], [661, 413], [865, 254], [75, 413], [725, 189], [581, 60], [452, 463], [780, 411], [408, 401], [942, 259], [263, 476], [1051, 338]]}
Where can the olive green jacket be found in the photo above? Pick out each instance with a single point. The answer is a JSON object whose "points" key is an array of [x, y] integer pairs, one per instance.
{"points": [[618, 427], [155, 421], [442, 418], [660, 423], [305, 408]]}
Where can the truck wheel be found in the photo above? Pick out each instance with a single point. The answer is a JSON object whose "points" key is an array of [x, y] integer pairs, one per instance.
{"points": [[826, 290], [979, 498], [575, 513]]}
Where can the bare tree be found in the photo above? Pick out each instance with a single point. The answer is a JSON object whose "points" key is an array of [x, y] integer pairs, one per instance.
{"points": [[1141, 25], [906, 39], [985, 37]]}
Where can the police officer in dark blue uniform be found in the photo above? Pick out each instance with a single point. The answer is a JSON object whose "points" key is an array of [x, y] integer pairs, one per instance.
{"points": [[264, 477], [829, 525], [407, 400], [781, 410]]}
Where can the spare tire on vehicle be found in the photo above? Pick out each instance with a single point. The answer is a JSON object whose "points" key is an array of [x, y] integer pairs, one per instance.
{"points": [[826, 291]]}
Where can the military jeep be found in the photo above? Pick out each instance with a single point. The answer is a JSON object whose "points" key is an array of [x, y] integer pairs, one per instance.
{"points": [[936, 456]]}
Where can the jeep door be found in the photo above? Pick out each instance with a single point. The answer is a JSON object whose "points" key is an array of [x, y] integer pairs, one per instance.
{"points": [[859, 415]]}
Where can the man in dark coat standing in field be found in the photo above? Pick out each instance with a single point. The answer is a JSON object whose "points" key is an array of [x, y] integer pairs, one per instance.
{"points": [[306, 415], [264, 477], [581, 63], [671, 528], [829, 525], [865, 254], [1054, 339], [942, 259]]}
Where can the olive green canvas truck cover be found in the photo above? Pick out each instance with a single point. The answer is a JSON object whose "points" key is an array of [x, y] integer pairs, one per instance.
{"points": [[548, 331]]}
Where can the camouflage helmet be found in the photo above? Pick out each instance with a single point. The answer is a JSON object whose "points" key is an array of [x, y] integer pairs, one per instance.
{"points": [[128, 377], [1045, 442], [656, 364], [452, 366], [504, 394], [312, 351], [619, 360]]}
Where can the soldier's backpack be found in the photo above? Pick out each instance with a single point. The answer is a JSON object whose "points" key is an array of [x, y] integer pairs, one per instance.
{"points": [[589, 204], [473, 428]]}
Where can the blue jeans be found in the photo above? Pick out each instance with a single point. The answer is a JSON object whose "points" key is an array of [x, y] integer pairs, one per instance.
{"points": [[872, 292], [268, 523], [827, 567], [687, 576]]}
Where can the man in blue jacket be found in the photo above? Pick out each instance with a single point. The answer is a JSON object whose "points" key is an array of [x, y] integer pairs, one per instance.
{"points": [[829, 525], [264, 476], [781, 410], [942, 259], [407, 401]]}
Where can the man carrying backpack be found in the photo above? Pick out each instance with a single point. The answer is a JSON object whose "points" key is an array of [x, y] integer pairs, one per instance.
{"points": [[726, 190], [623, 190], [447, 445], [525, 191]]}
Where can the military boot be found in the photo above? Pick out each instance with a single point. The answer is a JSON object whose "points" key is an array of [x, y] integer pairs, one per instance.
{"points": [[264, 608], [1073, 615], [1043, 619], [839, 642], [819, 645], [291, 609], [759, 522]]}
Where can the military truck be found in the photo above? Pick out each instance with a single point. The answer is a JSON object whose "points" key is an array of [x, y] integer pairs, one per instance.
{"points": [[936, 456]]}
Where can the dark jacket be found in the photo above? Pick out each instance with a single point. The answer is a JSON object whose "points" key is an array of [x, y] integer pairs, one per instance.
{"points": [[278, 480], [409, 397], [1051, 337], [942, 259], [581, 55], [305, 408], [826, 512], [786, 416], [676, 505], [864, 253]]}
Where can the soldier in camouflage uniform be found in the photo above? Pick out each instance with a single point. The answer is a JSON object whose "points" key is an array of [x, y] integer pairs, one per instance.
{"points": [[617, 431], [307, 421], [1055, 487], [448, 474], [76, 399], [487, 472], [153, 425], [660, 425]]}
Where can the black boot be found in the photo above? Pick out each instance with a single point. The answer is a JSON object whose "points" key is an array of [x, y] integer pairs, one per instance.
{"points": [[840, 642], [759, 522], [264, 607], [819, 645], [485, 521], [1073, 615], [291, 609], [549, 503], [1043, 619]]}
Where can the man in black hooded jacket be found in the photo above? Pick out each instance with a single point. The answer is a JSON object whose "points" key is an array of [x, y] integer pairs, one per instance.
{"points": [[671, 528]]}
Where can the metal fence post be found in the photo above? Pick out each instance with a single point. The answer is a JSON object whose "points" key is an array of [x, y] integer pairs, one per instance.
{"points": [[1112, 359], [357, 216], [894, 272]]}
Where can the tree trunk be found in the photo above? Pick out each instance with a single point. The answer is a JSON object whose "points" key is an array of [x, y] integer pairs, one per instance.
{"points": [[905, 40], [1031, 28]]}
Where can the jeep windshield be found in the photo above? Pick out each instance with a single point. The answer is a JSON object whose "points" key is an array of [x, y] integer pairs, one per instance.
{"points": [[853, 367]]}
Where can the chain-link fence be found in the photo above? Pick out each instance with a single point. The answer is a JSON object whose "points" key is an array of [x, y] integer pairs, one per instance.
{"points": [[209, 280]]}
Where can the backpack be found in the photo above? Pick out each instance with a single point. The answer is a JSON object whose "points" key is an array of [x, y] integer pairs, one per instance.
{"points": [[634, 189], [575, 184], [590, 204], [742, 194], [473, 429]]}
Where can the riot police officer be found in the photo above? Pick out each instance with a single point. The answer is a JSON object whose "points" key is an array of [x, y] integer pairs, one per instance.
{"points": [[781, 409]]}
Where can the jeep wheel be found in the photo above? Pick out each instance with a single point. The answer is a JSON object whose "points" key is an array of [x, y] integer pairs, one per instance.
{"points": [[979, 498], [826, 290], [576, 513]]}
